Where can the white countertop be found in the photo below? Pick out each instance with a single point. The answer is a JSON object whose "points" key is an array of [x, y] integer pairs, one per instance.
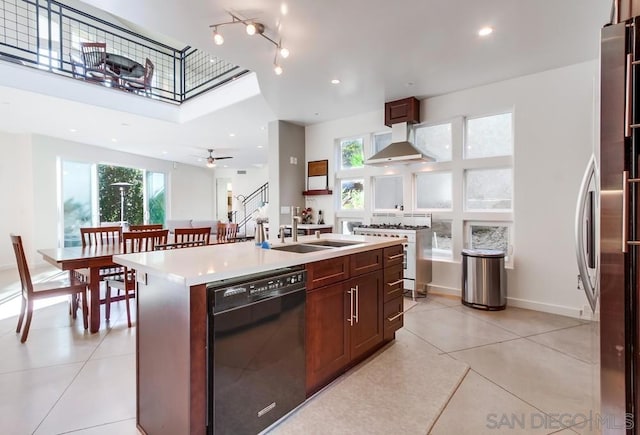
{"points": [[199, 265], [306, 226]]}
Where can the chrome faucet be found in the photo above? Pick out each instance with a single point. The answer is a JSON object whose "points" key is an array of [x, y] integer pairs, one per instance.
{"points": [[282, 231], [294, 227]]}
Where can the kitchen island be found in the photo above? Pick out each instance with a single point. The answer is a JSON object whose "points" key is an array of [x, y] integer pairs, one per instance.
{"points": [[172, 316]]}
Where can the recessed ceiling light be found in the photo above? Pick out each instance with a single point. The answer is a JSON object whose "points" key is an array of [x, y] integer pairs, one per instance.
{"points": [[113, 139], [485, 31], [199, 159], [335, 81], [72, 130], [232, 135], [260, 146], [225, 166], [263, 128], [284, 9], [165, 152]]}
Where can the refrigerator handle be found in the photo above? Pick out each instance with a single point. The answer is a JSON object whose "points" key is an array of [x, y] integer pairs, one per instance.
{"points": [[590, 287]]}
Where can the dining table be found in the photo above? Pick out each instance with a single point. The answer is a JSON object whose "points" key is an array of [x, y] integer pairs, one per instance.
{"points": [[90, 257]]}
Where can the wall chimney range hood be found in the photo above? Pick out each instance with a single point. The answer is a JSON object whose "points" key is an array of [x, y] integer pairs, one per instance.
{"points": [[398, 115]]}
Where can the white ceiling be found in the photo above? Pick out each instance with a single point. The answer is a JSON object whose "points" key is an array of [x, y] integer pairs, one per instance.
{"points": [[381, 50]]}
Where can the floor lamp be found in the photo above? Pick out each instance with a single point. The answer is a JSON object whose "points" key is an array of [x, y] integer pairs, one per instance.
{"points": [[122, 186]]}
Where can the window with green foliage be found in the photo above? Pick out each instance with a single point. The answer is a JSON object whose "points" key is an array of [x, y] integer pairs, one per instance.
{"points": [[111, 207], [351, 153], [352, 194]]}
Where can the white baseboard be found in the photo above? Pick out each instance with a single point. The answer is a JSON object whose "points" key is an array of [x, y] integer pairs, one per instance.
{"points": [[582, 313]]}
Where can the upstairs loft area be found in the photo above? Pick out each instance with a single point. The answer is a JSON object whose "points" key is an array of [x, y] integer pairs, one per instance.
{"points": [[48, 35]]}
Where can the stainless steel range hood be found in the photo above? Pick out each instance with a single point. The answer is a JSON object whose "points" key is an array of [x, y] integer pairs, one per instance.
{"points": [[400, 150]]}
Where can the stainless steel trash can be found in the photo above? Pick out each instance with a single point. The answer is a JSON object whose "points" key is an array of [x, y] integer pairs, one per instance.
{"points": [[484, 283]]}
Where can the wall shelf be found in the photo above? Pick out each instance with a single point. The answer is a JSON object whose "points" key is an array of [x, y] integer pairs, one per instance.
{"points": [[317, 192]]}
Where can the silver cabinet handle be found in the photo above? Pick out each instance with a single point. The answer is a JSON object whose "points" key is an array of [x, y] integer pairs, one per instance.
{"points": [[391, 284], [392, 318], [357, 290], [627, 96], [625, 207], [393, 257], [350, 319]]}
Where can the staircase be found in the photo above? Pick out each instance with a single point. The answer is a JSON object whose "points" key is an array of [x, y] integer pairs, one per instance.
{"points": [[250, 204]]}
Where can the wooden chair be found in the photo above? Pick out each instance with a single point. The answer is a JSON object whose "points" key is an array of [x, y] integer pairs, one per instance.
{"points": [[133, 241], [183, 235], [145, 227], [101, 235], [180, 245], [226, 233], [141, 85], [31, 292], [94, 57]]}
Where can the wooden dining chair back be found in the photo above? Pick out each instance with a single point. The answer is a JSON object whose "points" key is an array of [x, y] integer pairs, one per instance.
{"points": [[141, 84], [132, 241], [101, 235], [145, 227], [31, 292], [226, 232], [94, 57], [184, 235]]}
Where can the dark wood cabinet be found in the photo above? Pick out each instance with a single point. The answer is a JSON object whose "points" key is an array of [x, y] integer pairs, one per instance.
{"points": [[346, 319], [628, 9], [366, 330], [393, 255], [327, 341], [405, 110], [393, 282], [393, 317], [365, 262], [327, 272]]}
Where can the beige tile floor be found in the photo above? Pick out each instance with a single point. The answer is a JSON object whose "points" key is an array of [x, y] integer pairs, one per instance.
{"points": [[455, 371]]}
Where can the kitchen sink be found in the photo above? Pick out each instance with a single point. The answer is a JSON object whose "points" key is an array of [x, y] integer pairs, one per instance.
{"points": [[333, 243], [301, 249]]}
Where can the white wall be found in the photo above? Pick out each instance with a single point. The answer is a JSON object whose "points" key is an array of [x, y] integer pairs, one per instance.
{"points": [[554, 135], [29, 187]]}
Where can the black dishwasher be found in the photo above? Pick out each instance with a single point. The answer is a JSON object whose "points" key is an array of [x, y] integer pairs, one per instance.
{"points": [[256, 350]]}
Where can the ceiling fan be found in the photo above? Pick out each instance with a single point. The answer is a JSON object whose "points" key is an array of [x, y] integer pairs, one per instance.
{"points": [[211, 161]]}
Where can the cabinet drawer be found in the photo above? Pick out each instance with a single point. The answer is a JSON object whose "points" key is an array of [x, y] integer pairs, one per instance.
{"points": [[393, 282], [393, 255], [327, 272], [393, 317], [365, 262]]}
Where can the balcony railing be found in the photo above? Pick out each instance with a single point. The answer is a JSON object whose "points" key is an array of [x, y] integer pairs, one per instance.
{"points": [[44, 33]]}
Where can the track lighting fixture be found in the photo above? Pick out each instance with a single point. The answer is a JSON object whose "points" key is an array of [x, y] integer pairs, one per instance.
{"points": [[252, 27]]}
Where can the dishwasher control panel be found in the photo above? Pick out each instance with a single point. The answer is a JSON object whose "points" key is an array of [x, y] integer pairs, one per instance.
{"points": [[236, 293]]}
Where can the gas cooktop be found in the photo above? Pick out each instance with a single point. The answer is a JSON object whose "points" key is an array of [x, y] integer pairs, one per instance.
{"points": [[395, 227]]}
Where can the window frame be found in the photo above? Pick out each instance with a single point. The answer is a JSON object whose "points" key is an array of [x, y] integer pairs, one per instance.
{"points": [[468, 224], [466, 120]]}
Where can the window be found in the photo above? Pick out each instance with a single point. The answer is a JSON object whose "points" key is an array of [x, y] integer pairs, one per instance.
{"points": [[489, 235], [77, 198], [90, 196], [489, 136], [351, 153], [434, 190], [435, 140], [381, 141], [388, 193], [488, 189], [352, 194], [441, 244]]}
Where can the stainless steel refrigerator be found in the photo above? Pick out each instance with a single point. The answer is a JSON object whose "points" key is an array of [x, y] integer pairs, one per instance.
{"points": [[619, 226]]}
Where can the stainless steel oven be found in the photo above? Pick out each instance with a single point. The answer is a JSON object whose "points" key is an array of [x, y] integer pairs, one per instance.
{"points": [[417, 250]]}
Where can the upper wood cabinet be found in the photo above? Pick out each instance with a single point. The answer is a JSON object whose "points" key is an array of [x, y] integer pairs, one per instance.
{"points": [[405, 110], [628, 9]]}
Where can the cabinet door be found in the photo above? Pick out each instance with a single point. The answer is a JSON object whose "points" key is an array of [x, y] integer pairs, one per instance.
{"points": [[393, 255], [325, 272], [366, 331], [327, 333], [393, 282], [365, 262]]}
